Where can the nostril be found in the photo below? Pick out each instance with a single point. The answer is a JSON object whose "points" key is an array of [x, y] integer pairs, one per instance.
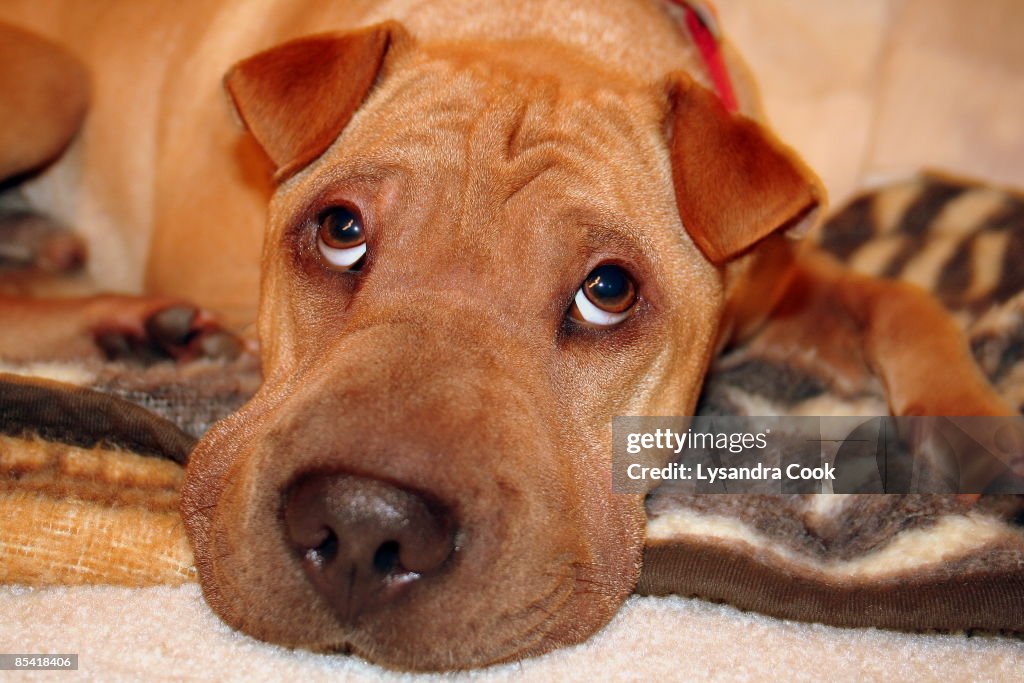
{"points": [[324, 552], [386, 559]]}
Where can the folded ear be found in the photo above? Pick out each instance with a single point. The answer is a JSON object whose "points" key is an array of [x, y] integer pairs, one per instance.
{"points": [[297, 97], [735, 182]]}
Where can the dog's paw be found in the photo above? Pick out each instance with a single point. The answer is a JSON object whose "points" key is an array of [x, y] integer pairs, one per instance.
{"points": [[32, 242], [154, 330]]}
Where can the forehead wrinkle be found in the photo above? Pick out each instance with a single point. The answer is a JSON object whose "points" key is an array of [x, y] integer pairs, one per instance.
{"points": [[496, 133], [414, 118], [500, 115], [524, 138], [421, 84]]}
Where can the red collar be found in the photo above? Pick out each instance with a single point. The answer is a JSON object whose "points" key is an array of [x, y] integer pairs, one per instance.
{"points": [[703, 28]]}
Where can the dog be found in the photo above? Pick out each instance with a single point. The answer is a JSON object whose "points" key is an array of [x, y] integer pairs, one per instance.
{"points": [[466, 236]]}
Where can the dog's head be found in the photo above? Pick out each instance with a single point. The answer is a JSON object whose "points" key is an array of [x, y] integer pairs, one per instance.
{"points": [[476, 257]]}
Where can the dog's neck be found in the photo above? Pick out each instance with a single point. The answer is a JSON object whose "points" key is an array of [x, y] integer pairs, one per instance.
{"points": [[702, 26]]}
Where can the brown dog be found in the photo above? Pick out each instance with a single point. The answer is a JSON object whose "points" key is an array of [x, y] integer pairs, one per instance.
{"points": [[492, 228]]}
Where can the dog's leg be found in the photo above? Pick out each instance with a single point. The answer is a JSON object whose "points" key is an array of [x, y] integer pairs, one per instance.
{"points": [[44, 92], [110, 327], [43, 97], [857, 330], [918, 351], [921, 357]]}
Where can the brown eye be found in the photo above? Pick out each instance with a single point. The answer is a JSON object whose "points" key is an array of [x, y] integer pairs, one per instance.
{"points": [[606, 298], [340, 238]]}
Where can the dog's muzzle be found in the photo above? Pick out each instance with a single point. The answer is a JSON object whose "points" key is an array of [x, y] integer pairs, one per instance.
{"points": [[424, 515]]}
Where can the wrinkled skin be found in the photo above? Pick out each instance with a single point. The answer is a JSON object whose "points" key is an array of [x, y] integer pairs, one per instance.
{"points": [[448, 364]]}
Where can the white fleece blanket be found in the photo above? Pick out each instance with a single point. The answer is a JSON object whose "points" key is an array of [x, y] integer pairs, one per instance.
{"points": [[126, 634]]}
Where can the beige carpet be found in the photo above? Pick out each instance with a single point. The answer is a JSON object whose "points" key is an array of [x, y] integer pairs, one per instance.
{"points": [[169, 634]]}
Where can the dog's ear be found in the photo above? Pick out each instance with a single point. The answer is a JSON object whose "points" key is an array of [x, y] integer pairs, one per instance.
{"points": [[735, 183], [297, 97]]}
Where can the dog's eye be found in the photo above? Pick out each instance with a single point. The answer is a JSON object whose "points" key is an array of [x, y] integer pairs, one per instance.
{"points": [[607, 297], [340, 238]]}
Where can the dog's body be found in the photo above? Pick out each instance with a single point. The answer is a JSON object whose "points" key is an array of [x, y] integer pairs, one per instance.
{"points": [[498, 153]]}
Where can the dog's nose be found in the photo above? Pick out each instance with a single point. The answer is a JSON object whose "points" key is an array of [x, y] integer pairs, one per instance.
{"points": [[362, 541]]}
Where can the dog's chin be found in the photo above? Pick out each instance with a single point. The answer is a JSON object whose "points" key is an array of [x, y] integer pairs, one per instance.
{"points": [[541, 557], [496, 602], [538, 633], [405, 649], [448, 625]]}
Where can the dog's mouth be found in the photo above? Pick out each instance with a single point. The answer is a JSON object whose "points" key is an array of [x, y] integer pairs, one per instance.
{"points": [[405, 591], [533, 628], [337, 561], [419, 531], [367, 546]]}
